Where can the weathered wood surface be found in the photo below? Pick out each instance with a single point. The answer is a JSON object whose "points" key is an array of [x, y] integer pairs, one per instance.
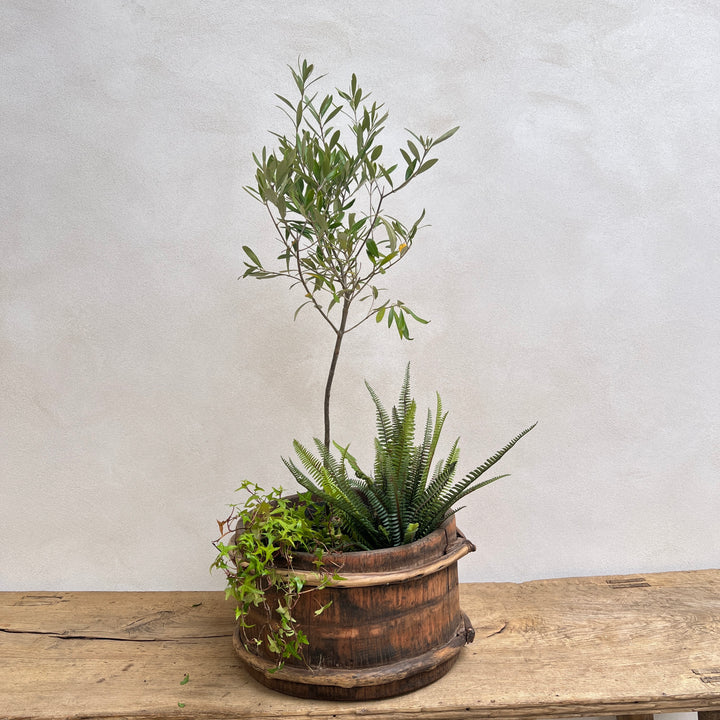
{"points": [[543, 649]]}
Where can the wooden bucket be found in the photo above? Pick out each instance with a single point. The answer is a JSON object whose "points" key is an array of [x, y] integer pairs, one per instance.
{"points": [[394, 623]]}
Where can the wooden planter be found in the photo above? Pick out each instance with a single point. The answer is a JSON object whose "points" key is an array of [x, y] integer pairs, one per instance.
{"points": [[394, 625]]}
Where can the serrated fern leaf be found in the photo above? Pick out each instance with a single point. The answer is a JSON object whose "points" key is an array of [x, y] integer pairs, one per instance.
{"points": [[405, 398], [478, 471], [439, 422], [384, 426], [428, 506], [444, 508], [401, 501], [419, 462], [353, 463]]}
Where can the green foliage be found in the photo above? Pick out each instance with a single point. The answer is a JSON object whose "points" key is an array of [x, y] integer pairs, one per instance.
{"points": [[402, 501], [270, 528], [332, 248], [325, 188]]}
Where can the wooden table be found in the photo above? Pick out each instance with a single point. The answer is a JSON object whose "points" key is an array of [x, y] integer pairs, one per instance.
{"points": [[543, 649]]}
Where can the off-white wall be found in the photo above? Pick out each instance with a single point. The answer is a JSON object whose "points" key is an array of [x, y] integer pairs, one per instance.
{"points": [[570, 273]]}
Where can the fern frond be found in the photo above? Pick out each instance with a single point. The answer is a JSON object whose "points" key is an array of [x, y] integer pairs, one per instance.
{"points": [[311, 464], [345, 454], [429, 504], [332, 469], [419, 462], [478, 471], [439, 422], [443, 510], [384, 426], [330, 483], [400, 453], [405, 398], [401, 501]]}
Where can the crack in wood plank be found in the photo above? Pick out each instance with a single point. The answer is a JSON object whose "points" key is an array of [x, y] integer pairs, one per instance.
{"points": [[624, 583], [148, 621], [497, 632], [112, 638], [710, 676], [41, 599]]}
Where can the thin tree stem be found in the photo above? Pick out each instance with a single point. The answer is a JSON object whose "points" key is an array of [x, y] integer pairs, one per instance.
{"points": [[333, 365]]}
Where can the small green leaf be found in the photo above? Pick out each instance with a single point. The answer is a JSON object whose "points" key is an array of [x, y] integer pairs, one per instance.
{"points": [[416, 317], [413, 149], [386, 174], [326, 103], [356, 226], [410, 531], [287, 102], [427, 165], [252, 255], [333, 113], [392, 236], [300, 308], [446, 136], [372, 249], [402, 325], [181, 705], [323, 608], [186, 679]]}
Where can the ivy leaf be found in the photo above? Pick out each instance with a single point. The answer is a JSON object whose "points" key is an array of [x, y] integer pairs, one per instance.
{"points": [[323, 608]]}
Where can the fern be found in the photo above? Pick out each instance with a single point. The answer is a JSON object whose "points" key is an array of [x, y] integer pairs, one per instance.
{"points": [[401, 501]]}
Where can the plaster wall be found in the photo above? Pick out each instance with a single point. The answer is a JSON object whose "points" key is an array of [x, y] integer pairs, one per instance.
{"points": [[570, 274]]}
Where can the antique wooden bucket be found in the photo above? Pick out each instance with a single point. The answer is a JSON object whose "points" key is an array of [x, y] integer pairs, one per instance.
{"points": [[394, 623]]}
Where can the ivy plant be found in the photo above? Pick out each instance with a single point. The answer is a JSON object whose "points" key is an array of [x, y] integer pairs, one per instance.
{"points": [[326, 188], [264, 531]]}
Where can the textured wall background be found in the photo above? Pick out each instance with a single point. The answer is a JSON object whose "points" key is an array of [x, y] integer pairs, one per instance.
{"points": [[570, 273]]}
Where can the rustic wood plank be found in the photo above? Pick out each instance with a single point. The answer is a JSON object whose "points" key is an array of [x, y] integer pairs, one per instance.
{"points": [[553, 648], [635, 717]]}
